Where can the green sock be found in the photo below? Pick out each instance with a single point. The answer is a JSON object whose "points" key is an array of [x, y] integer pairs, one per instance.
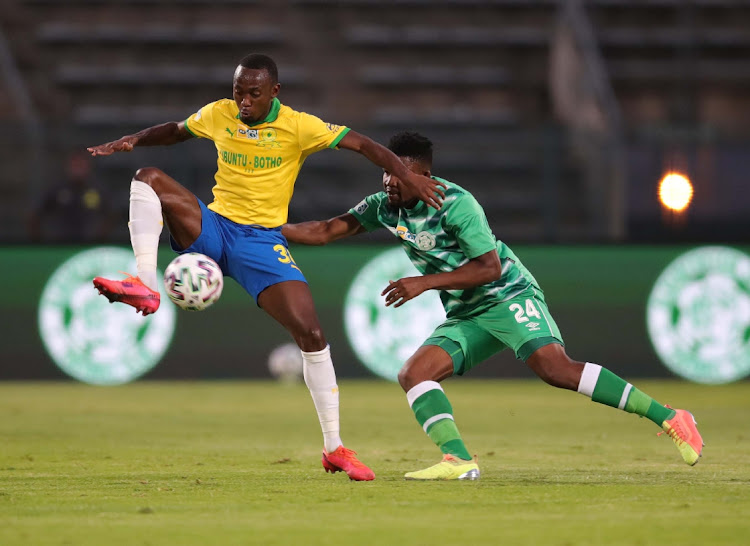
{"points": [[642, 404], [435, 415], [604, 387]]}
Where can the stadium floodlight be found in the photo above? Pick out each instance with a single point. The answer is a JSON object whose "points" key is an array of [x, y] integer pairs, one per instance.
{"points": [[675, 192]]}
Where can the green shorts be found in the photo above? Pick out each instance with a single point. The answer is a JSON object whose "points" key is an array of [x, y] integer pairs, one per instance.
{"points": [[522, 323]]}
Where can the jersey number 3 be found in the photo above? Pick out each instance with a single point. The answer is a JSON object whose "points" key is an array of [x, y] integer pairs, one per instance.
{"points": [[286, 256], [531, 311]]}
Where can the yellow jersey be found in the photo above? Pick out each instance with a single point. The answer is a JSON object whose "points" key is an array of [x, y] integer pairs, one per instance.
{"points": [[258, 164]]}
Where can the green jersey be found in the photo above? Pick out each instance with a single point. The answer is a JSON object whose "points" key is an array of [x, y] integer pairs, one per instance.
{"points": [[439, 241]]}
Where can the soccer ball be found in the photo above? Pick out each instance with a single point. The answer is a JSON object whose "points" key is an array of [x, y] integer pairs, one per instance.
{"points": [[285, 363], [193, 281]]}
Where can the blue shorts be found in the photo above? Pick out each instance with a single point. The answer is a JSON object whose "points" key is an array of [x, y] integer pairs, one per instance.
{"points": [[254, 256]]}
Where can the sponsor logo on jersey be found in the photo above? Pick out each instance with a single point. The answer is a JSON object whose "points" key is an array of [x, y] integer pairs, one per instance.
{"points": [[698, 315], [384, 337], [88, 338], [260, 162], [362, 207], [333, 127], [405, 234], [267, 138], [233, 158], [425, 240], [251, 134]]}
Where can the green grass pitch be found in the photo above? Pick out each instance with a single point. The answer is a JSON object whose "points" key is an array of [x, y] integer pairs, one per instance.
{"points": [[226, 463]]}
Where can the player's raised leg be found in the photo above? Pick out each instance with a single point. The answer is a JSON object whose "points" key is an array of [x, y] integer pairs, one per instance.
{"points": [[419, 378], [555, 367], [291, 304], [153, 195]]}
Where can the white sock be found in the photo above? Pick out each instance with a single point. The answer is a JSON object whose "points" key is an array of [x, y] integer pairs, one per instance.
{"points": [[145, 228], [320, 378], [589, 377]]}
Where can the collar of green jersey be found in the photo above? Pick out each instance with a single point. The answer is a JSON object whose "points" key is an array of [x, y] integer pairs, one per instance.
{"points": [[273, 113]]}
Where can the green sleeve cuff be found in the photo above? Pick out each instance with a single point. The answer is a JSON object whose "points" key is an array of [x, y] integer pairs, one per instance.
{"points": [[369, 226], [188, 129], [475, 253], [336, 141]]}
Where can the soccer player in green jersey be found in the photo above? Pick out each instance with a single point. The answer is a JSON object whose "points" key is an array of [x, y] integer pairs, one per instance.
{"points": [[492, 302]]}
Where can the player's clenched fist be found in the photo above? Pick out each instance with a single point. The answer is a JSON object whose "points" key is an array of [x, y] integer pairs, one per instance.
{"points": [[124, 144]]}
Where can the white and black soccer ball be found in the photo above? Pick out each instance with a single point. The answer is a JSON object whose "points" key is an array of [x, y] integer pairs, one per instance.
{"points": [[285, 363], [193, 281]]}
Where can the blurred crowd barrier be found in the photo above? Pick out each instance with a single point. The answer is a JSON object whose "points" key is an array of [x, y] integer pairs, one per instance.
{"points": [[528, 180], [522, 176], [620, 306]]}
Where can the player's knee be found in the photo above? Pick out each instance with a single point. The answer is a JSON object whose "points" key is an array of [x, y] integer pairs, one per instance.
{"points": [[558, 372], [547, 374], [405, 378], [311, 339], [412, 375], [148, 175]]}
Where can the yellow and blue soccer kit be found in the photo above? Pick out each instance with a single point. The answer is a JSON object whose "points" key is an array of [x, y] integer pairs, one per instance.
{"points": [[257, 166]]}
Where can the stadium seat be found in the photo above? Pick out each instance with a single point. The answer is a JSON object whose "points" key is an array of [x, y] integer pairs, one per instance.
{"points": [[433, 75], [171, 74], [445, 36], [60, 32]]}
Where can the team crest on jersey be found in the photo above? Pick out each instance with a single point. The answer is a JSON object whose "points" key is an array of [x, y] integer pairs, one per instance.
{"points": [[267, 138], [425, 240]]}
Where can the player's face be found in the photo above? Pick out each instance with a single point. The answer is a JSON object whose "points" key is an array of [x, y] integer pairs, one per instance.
{"points": [[398, 194], [253, 91]]}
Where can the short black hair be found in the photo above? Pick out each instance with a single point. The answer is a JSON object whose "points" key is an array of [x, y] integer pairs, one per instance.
{"points": [[412, 145], [257, 61]]}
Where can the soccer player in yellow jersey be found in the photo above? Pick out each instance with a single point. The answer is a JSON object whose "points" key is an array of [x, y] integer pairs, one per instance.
{"points": [[261, 146]]}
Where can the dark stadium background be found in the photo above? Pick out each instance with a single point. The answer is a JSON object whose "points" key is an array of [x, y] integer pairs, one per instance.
{"points": [[561, 117]]}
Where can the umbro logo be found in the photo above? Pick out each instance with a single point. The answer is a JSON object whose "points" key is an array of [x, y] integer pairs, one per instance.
{"points": [[533, 326]]}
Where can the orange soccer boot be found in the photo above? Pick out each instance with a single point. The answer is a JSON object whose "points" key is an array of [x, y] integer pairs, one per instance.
{"points": [[130, 291], [343, 459], [684, 433]]}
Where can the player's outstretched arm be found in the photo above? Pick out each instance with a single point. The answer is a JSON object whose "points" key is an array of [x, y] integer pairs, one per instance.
{"points": [[428, 190], [476, 272], [158, 135], [322, 232]]}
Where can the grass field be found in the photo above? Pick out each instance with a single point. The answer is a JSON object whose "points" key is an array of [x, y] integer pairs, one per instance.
{"points": [[238, 463]]}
